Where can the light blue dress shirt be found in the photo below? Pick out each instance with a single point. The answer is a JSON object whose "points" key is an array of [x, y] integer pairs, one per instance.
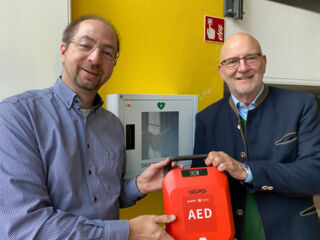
{"points": [[61, 174], [243, 111]]}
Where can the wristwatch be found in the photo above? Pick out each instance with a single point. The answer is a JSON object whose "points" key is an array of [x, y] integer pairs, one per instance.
{"points": [[245, 167]]}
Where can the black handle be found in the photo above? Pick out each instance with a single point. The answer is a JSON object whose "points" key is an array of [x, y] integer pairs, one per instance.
{"points": [[167, 168]]}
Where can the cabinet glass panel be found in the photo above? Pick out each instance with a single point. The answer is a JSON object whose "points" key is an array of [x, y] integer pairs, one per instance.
{"points": [[160, 134]]}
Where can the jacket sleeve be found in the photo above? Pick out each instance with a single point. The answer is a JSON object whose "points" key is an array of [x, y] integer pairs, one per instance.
{"points": [[294, 169]]}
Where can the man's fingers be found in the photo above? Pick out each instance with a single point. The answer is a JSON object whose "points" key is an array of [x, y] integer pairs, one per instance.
{"points": [[162, 164], [222, 167], [175, 164], [208, 162], [164, 218]]}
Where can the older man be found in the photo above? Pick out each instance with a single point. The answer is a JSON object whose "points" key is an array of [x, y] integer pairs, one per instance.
{"points": [[268, 142]]}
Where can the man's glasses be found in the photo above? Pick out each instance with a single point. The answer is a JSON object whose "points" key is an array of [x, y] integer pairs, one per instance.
{"points": [[87, 46], [250, 60]]}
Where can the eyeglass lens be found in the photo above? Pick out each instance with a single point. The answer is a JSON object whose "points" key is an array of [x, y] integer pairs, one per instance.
{"points": [[250, 60], [87, 45]]}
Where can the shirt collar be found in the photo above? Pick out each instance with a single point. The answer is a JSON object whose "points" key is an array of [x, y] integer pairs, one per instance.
{"points": [[242, 108], [70, 98]]}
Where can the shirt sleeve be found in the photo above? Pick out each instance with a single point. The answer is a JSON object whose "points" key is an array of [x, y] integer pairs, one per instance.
{"points": [[26, 210], [131, 193], [249, 177]]}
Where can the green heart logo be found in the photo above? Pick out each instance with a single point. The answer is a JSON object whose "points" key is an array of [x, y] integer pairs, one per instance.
{"points": [[161, 105]]}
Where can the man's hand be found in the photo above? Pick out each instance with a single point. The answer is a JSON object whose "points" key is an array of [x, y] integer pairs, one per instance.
{"points": [[150, 180], [146, 227], [223, 162]]}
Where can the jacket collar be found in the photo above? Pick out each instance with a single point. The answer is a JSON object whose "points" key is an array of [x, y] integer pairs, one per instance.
{"points": [[260, 99]]}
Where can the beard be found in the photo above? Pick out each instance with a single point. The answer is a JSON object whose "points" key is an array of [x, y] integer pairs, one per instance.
{"points": [[89, 77], [87, 85], [84, 77]]}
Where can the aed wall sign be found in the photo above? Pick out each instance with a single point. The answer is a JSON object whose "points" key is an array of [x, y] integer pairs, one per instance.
{"points": [[214, 29]]}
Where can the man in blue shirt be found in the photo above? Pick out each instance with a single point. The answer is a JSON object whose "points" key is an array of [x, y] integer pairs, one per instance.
{"points": [[267, 140], [62, 156]]}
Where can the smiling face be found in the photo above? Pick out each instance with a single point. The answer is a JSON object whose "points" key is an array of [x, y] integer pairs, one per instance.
{"points": [[245, 81], [86, 71]]}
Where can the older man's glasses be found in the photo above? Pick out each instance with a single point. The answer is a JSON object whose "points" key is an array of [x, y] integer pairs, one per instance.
{"points": [[87, 46], [250, 60]]}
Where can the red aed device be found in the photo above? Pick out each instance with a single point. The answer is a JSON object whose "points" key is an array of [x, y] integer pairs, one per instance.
{"points": [[200, 199]]}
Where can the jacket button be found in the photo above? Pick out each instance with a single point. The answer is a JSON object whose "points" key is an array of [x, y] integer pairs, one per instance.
{"points": [[238, 126], [243, 155], [270, 188], [240, 212], [264, 188]]}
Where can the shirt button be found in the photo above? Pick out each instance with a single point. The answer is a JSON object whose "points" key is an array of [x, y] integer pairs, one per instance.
{"points": [[89, 172], [243, 155], [240, 212], [88, 146], [95, 199]]}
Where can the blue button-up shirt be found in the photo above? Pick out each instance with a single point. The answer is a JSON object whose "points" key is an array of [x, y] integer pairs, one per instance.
{"points": [[61, 174], [242, 108]]}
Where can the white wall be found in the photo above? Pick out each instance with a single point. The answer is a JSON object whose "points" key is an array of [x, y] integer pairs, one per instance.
{"points": [[289, 36], [30, 36]]}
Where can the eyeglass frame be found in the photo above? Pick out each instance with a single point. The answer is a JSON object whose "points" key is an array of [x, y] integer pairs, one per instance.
{"points": [[238, 59], [95, 46]]}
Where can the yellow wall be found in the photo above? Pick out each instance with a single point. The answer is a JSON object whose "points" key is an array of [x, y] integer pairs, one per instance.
{"points": [[162, 52]]}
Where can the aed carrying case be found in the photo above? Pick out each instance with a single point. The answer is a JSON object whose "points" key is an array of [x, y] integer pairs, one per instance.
{"points": [[200, 200]]}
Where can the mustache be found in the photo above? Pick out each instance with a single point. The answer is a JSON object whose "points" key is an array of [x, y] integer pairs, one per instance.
{"points": [[91, 68]]}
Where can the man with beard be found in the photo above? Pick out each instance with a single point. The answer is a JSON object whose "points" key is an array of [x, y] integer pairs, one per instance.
{"points": [[62, 156]]}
